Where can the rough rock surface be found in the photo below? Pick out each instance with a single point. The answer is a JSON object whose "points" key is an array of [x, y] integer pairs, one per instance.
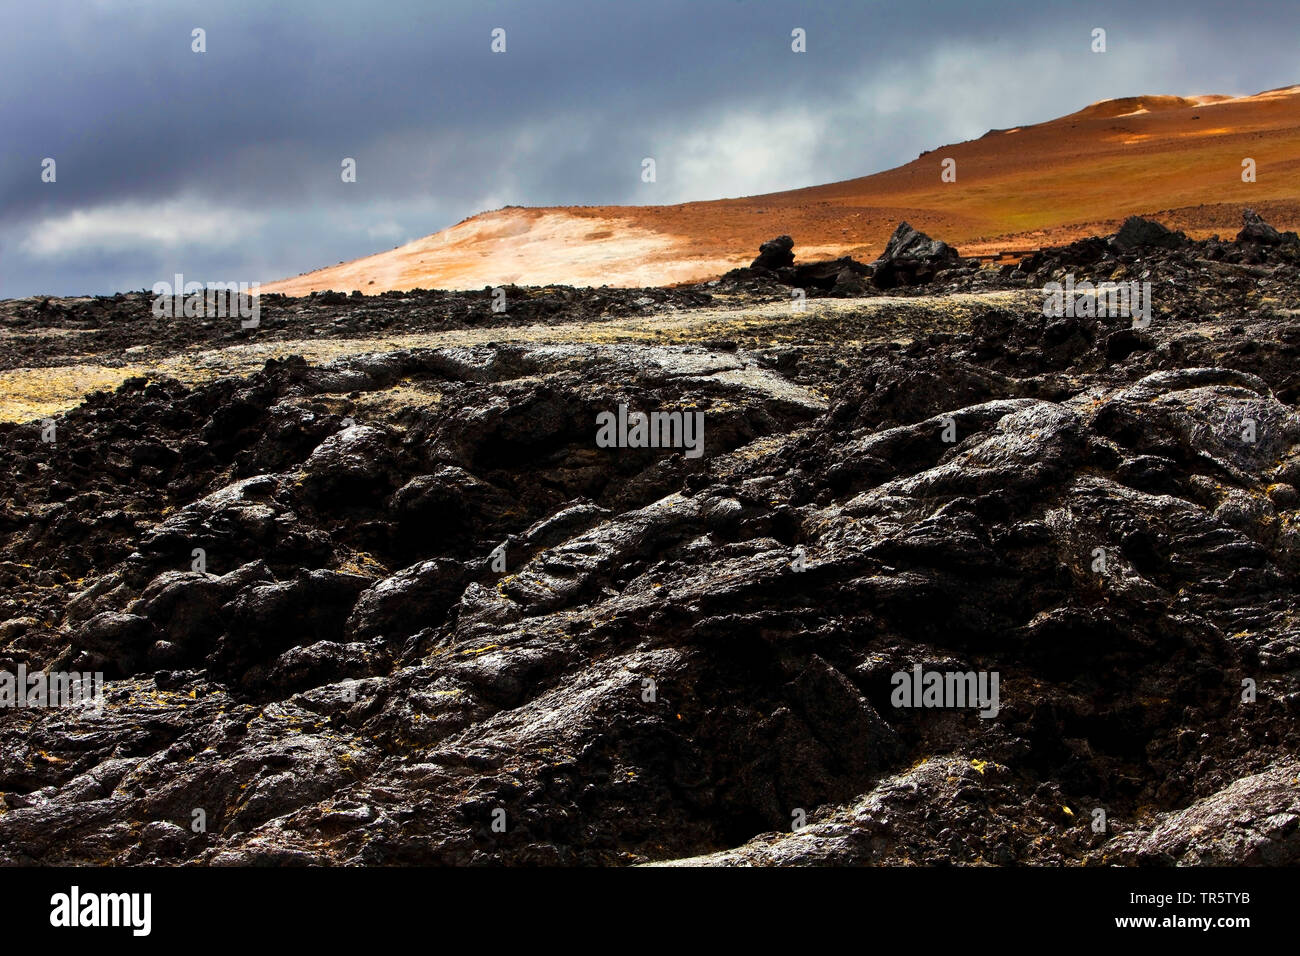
{"points": [[430, 620], [1255, 229], [1136, 233], [774, 254], [843, 277], [912, 257]]}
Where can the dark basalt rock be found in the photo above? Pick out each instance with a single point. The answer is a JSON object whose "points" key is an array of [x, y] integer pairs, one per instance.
{"points": [[423, 594], [909, 243], [842, 276], [1255, 230], [1252, 822], [1137, 233], [408, 601], [912, 258], [774, 254]]}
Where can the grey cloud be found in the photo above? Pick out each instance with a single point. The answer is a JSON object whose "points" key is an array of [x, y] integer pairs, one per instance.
{"points": [[257, 126]]}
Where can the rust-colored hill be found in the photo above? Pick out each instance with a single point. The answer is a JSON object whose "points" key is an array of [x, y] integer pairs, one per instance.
{"points": [[1176, 158]]}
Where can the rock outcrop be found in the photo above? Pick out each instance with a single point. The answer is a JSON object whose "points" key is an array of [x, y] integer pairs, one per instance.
{"points": [[1255, 230], [1139, 233], [911, 257], [775, 254]]}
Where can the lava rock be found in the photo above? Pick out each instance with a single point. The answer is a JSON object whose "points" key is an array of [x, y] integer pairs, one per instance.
{"points": [[1255, 229], [1137, 233], [911, 258], [774, 254]]}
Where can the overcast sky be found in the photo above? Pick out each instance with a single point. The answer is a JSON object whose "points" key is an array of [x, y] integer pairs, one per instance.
{"points": [[225, 165]]}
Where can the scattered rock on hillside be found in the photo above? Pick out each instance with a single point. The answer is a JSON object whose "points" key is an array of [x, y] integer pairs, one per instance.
{"points": [[1255, 229], [911, 257], [775, 254], [775, 264], [1137, 232]]}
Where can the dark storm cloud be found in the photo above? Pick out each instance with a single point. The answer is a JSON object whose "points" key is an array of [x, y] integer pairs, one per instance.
{"points": [[225, 165]]}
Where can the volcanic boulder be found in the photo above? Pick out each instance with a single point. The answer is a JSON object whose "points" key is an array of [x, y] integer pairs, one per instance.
{"points": [[1255, 229], [911, 258], [839, 276], [1137, 233], [775, 254]]}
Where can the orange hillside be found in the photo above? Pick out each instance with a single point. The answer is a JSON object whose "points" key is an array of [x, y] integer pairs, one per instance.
{"points": [[1178, 159]]}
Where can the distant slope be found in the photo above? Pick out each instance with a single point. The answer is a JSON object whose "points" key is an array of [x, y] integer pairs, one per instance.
{"points": [[1178, 158]]}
